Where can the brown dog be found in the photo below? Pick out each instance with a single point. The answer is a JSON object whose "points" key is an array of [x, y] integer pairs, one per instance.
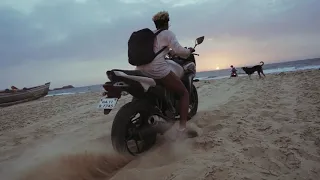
{"points": [[251, 70]]}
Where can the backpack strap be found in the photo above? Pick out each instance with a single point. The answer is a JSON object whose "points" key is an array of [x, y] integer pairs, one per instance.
{"points": [[161, 50], [158, 32]]}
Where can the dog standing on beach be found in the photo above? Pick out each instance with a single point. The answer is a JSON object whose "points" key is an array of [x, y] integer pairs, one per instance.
{"points": [[251, 70]]}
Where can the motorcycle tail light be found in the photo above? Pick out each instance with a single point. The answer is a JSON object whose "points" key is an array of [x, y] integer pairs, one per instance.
{"points": [[111, 91]]}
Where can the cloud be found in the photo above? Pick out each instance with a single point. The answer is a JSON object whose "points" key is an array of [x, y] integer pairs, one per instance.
{"points": [[72, 32]]}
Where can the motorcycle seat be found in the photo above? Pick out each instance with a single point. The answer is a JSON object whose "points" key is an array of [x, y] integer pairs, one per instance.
{"points": [[135, 73], [131, 72]]}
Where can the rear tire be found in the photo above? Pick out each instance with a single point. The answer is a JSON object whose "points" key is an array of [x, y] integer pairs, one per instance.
{"points": [[123, 123]]}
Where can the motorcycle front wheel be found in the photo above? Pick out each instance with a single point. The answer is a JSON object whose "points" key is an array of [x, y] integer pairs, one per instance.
{"points": [[193, 105], [124, 133]]}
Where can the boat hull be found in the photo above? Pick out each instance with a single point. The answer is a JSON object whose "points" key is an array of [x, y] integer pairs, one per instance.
{"points": [[29, 94]]}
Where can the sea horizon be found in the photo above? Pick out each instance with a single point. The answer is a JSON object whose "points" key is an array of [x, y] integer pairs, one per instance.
{"points": [[271, 68]]}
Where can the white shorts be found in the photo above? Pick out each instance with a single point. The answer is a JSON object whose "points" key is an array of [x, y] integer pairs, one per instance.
{"points": [[160, 68]]}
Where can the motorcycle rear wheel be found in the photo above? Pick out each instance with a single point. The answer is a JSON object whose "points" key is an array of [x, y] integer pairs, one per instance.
{"points": [[129, 119]]}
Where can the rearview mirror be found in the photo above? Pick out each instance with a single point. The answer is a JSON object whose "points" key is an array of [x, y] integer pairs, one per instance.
{"points": [[199, 40]]}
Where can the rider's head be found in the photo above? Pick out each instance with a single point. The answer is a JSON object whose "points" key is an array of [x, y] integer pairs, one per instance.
{"points": [[231, 66], [161, 20]]}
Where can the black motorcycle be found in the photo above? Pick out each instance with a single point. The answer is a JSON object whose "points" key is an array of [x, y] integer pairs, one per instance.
{"points": [[153, 109]]}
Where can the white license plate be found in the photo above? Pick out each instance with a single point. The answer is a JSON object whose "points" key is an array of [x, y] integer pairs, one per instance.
{"points": [[107, 103]]}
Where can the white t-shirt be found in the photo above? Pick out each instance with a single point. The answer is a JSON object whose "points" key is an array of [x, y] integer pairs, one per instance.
{"points": [[159, 67]]}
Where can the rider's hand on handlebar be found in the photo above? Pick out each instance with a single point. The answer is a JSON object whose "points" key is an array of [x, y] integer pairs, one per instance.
{"points": [[171, 53], [191, 49]]}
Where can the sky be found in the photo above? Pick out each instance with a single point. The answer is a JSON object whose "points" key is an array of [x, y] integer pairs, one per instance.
{"points": [[77, 41]]}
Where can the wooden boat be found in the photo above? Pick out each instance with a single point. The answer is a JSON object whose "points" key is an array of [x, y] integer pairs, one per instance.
{"points": [[11, 97]]}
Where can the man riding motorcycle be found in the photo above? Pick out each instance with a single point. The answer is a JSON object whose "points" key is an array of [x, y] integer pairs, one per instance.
{"points": [[160, 69]]}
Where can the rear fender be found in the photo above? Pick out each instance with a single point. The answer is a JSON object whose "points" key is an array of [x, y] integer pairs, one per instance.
{"points": [[112, 91]]}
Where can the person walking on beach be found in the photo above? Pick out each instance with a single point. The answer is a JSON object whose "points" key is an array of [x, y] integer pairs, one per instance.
{"points": [[160, 69]]}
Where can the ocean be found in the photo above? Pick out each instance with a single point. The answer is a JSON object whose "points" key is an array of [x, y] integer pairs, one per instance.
{"points": [[216, 74]]}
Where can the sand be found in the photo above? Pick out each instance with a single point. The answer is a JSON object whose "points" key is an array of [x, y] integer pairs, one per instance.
{"points": [[249, 129]]}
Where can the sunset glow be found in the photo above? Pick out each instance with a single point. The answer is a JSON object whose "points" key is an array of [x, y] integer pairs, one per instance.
{"points": [[77, 41]]}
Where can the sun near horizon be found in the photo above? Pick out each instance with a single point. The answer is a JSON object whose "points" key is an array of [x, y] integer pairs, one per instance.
{"points": [[213, 61]]}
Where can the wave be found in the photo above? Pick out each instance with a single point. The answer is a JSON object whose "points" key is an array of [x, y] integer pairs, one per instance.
{"points": [[213, 77], [309, 67], [289, 69], [278, 70], [267, 71], [61, 94]]}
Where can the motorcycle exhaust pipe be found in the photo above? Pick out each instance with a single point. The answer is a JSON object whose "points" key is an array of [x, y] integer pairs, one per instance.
{"points": [[155, 120], [156, 125]]}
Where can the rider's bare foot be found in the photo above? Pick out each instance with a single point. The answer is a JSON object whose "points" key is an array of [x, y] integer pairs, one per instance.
{"points": [[186, 133]]}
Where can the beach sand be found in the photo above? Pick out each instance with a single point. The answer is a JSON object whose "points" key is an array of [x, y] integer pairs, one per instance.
{"points": [[249, 129]]}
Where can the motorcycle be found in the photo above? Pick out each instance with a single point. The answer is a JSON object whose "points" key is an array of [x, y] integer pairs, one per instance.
{"points": [[153, 109], [234, 74]]}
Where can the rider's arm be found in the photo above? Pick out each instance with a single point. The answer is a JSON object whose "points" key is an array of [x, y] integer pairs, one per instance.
{"points": [[175, 45]]}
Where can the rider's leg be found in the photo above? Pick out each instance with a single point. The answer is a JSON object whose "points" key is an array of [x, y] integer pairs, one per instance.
{"points": [[173, 83]]}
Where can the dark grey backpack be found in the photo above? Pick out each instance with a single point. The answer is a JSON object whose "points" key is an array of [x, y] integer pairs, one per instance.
{"points": [[140, 47]]}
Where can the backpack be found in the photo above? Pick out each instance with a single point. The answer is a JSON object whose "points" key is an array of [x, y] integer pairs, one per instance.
{"points": [[140, 47]]}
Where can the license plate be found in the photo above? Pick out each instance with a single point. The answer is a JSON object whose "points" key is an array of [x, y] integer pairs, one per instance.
{"points": [[107, 103]]}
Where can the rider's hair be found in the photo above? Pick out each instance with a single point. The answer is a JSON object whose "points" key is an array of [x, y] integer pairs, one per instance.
{"points": [[161, 19]]}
